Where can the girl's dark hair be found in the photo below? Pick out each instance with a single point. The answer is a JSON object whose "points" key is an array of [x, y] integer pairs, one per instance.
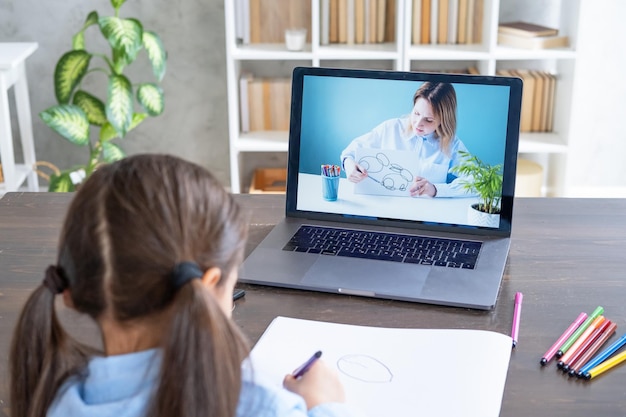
{"points": [[442, 98], [129, 224]]}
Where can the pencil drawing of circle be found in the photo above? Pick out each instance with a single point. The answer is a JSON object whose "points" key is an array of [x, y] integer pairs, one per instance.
{"points": [[364, 368], [371, 164], [383, 159]]}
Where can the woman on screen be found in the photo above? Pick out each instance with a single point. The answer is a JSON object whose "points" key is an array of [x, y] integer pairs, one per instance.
{"points": [[430, 132]]}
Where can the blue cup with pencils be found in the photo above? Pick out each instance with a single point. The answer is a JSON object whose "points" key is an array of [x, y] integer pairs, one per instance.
{"points": [[330, 181]]}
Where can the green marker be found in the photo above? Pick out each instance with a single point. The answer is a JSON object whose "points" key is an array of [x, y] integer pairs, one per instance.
{"points": [[572, 339]]}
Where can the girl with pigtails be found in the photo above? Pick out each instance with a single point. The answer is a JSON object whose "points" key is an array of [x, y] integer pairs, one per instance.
{"points": [[149, 250]]}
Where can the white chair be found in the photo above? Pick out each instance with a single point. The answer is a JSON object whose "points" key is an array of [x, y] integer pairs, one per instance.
{"points": [[13, 74]]}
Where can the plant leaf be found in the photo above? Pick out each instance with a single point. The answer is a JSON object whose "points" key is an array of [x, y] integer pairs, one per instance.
{"points": [[156, 53], [92, 106], [61, 183], [111, 152], [69, 121], [124, 35], [108, 132], [78, 40], [117, 3], [69, 71], [119, 106], [150, 96], [137, 118]]}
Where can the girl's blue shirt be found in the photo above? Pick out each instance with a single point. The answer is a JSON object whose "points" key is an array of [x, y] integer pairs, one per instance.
{"points": [[122, 386]]}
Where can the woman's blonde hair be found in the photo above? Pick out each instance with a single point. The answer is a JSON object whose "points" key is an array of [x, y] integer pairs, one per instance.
{"points": [[442, 98]]}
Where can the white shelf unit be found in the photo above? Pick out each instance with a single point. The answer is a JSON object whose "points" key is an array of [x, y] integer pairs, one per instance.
{"points": [[487, 57]]}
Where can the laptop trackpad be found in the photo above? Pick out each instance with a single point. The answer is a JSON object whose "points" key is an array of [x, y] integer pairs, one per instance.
{"points": [[366, 275]]}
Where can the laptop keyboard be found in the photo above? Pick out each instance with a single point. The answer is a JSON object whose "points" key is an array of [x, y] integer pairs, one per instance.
{"points": [[394, 247]]}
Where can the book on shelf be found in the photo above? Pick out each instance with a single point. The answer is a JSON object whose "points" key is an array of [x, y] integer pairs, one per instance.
{"points": [[469, 27], [477, 21], [453, 20], [462, 22], [357, 21], [381, 14], [442, 22], [447, 21], [434, 21], [342, 20], [537, 111], [264, 103], [425, 23], [324, 21], [267, 20], [416, 18], [390, 21], [529, 30], [537, 42]]}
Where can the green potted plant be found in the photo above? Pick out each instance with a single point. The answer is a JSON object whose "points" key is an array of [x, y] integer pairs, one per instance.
{"points": [[78, 111], [486, 181]]}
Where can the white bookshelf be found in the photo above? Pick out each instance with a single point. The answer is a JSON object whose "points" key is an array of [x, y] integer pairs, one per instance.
{"points": [[402, 55]]}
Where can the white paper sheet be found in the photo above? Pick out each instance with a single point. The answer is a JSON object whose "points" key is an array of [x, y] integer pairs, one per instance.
{"points": [[396, 372]]}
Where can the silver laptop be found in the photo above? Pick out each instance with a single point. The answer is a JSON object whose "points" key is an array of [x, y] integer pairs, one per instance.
{"points": [[377, 204]]}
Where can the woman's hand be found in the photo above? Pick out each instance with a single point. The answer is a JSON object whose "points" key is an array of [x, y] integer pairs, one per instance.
{"points": [[318, 385], [421, 186], [354, 171]]}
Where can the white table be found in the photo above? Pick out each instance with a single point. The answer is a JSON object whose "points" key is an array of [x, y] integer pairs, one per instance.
{"points": [[453, 210], [13, 74]]}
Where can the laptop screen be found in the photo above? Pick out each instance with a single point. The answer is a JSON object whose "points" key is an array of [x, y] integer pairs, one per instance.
{"points": [[406, 149]]}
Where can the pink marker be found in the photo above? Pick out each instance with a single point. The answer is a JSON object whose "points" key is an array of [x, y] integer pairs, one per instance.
{"points": [[547, 357], [517, 313]]}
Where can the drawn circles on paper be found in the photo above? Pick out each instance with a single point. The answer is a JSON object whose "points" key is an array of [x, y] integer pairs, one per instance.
{"points": [[364, 368], [396, 177]]}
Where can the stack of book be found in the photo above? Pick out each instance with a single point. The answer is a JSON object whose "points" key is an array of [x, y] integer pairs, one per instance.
{"points": [[265, 21], [447, 21], [537, 113], [264, 103], [357, 21], [530, 36]]}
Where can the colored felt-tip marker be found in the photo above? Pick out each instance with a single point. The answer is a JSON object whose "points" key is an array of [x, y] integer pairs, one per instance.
{"points": [[547, 357], [302, 369], [601, 357], [573, 351], [595, 348], [517, 314], [607, 365], [592, 345], [569, 342]]}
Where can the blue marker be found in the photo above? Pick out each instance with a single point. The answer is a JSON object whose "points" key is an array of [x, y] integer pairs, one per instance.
{"points": [[601, 357]]}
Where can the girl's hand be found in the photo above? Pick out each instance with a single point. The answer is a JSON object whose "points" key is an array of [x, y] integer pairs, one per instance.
{"points": [[318, 385], [421, 187]]}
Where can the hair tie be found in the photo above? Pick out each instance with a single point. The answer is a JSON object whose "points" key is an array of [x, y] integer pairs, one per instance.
{"points": [[54, 280], [184, 272]]}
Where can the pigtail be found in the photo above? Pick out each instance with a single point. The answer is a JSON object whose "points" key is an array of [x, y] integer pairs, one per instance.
{"points": [[202, 356], [42, 356]]}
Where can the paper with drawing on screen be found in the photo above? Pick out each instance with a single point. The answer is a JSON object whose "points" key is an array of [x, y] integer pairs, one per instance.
{"points": [[390, 172], [396, 372]]}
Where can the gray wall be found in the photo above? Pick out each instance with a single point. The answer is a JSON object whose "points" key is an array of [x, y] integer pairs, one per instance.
{"points": [[194, 124]]}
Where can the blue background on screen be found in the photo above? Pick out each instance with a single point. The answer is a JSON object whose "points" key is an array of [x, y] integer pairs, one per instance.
{"points": [[336, 110]]}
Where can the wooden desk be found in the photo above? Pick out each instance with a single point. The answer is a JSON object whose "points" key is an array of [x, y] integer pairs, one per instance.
{"points": [[567, 256]]}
